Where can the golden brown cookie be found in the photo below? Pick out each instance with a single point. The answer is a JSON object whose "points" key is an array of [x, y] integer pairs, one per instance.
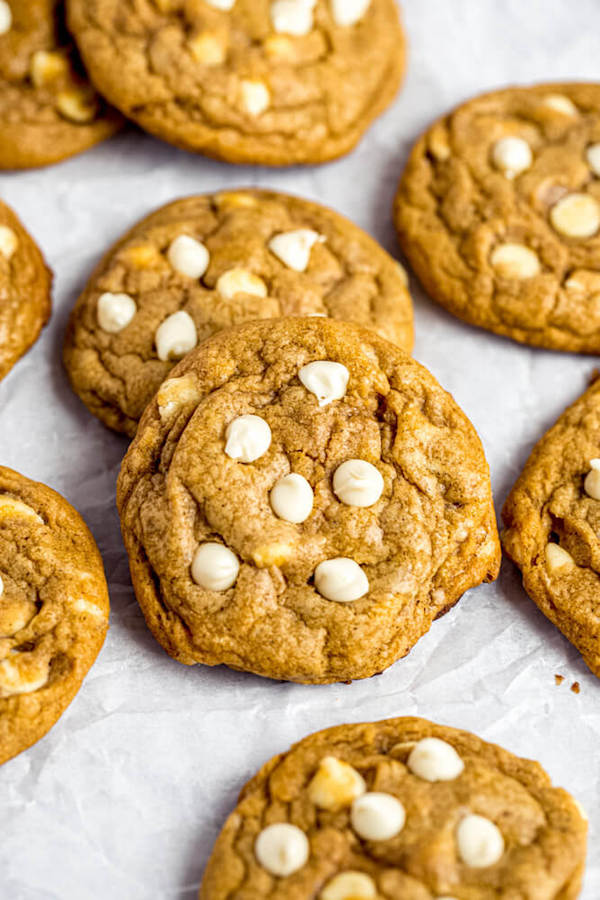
{"points": [[53, 609], [209, 262], [552, 519], [281, 82], [48, 110], [399, 810], [301, 501], [25, 283], [498, 212]]}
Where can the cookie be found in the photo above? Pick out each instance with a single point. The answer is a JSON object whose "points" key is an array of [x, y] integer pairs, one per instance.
{"points": [[399, 810], [53, 609], [301, 501], [25, 283], [206, 263], [498, 212], [552, 519], [248, 81], [48, 109]]}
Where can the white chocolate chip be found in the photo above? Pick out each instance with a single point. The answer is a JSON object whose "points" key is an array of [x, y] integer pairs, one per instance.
{"points": [[188, 256], [480, 842], [174, 393], [79, 105], [576, 216], [5, 17], [557, 559], [176, 336], [515, 261], [8, 241], [341, 580], [435, 760], [221, 4], [115, 311], [377, 816], [349, 12], [327, 380], [248, 438], [208, 49], [349, 886], [336, 784], [82, 605], [21, 673], [358, 483], [215, 567], [580, 810], [11, 507], [512, 155], [254, 97], [1, 586], [591, 485], [240, 281], [561, 104], [293, 247], [292, 498], [47, 66], [293, 16], [282, 849], [592, 154]]}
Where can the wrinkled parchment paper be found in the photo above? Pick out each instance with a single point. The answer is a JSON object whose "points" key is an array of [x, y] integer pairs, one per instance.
{"points": [[125, 796]]}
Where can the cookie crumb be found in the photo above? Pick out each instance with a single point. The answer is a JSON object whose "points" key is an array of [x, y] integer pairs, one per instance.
{"points": [[575, 687], [559, 679]]}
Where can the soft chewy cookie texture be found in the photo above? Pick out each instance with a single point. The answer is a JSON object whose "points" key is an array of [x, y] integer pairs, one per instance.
{"points": [[48, 110], [301, 501], [205, 263], [53, 609], [281, 82], [399, 810], [25, 283], [552, 519], [498, 212]]}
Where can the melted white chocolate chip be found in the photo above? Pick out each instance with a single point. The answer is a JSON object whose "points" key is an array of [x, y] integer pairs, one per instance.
{"points": [[435, 760], [591, 485], [292, 498], [221, 4], [377, 816], [561, 104], [5, 17], [358, 483], [240, 281], [215, 567], [515, 261], [21, 673], [254, 97], [293, 17], [350, 886], [8, 241], [115, 311], [576, 216], [293, 247], [480, 842], [341, 580], [188, 256], [248, 438], [557, 559], [11, 507], [336, 784], [327, 380], [282, 849], [176, 336], [1, 586], [512, 155], [349, 12]]}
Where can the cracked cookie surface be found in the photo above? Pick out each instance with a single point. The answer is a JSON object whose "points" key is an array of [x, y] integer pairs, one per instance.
{"points": [[25, 283], [552, 519], [229, 561], [221, 259], [487, 805], [498, 212], [289, 81], [53, 609], [48, 110]]}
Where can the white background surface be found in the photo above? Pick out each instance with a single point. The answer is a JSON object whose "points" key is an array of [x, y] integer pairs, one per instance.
{"points": [[124, 798]]}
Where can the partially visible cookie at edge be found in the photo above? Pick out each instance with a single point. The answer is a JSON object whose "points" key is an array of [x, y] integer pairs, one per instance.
{"points": [[302, 500], [204, 263], [277, 83], [25, 284], [402, 809], [552, 519], [53, 609], [48, 109], [498, 212]]}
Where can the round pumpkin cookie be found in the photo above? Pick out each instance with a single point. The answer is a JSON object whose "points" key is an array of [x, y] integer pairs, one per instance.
{"points": [[48, 110], [209, 262], [552, 519], [498, 212], [397, 809], [25, 283], [53, 609], [281, 82], [301, 501]]}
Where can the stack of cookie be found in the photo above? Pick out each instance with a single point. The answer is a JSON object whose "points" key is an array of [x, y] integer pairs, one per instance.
{"points": [[301, 499]]}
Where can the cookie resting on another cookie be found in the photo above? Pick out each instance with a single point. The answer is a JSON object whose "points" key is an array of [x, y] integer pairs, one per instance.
{"points": [[25, 283], [48, 110], [53, 609], [552, 519], [274, 82], [301, 501], [206, 263], [498, 212], [399, 810]]}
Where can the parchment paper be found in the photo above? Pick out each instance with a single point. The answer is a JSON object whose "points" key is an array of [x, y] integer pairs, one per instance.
{"points": [[125, 796]]}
